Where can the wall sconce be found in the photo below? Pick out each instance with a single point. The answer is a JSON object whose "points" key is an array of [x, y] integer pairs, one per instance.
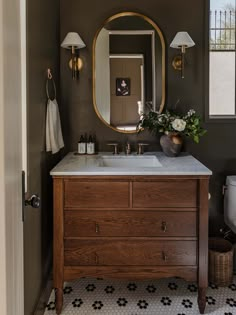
{"points": [[181, 41], [73, 41]]}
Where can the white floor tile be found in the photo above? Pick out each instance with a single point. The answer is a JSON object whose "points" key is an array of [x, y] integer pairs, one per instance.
{"points": [[159, 297]]}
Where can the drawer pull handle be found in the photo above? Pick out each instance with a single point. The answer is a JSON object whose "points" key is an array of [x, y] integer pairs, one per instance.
{"points": [[96, 227], [164, 256], [96, 259], [164, 226]]}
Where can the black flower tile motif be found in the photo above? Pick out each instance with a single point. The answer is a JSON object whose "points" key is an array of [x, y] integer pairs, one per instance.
{"points": [[232, 287], [213, 286], [210, 300], [231, 302], [142, 304], [97, 305], [165, 300], [122, 302], [109, 289], [90, 287], [67, 290], [172, 286], [151, 288], [132, 287], [192, 287], [51, 306], [187, 303], [77, 303]]}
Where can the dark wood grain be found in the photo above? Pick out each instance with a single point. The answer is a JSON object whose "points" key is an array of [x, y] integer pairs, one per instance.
{"points": [[58, 244], [203, 244], [135, 251], [59, 300], [130, 223], [201, 300], [131, 227], [172, 209], [188, 273], [176, 193], [84, 194]]}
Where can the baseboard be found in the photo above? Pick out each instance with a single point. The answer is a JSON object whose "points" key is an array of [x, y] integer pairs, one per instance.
{"points": [[41, 306], [47, 287]]}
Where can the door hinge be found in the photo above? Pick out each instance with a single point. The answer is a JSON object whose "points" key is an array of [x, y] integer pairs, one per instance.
{"points": [[23, 197]]}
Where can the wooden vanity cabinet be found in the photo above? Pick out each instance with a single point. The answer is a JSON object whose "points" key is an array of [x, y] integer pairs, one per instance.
{"points": [[131, 227]]}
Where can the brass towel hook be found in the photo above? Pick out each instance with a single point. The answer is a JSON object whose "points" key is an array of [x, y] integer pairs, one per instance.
{"points": [[50, 78], [49, 74]]}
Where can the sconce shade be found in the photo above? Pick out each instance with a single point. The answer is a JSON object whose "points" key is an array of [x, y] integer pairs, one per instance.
{"points": [[182, 39], [73, 39]]}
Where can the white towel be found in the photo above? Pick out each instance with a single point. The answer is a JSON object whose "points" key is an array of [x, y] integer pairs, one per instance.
{"points": [[54, 139]]}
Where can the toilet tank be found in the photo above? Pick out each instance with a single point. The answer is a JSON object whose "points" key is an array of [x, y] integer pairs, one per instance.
{"points": [[230, 203], [230, 208]]}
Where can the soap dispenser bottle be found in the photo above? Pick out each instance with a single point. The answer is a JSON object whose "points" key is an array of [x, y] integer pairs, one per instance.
{"points": [[90, 145], [82, 145]]}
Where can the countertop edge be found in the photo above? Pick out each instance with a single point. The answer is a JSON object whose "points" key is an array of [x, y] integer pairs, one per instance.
{"points": [[129, 173], [184, 165]]}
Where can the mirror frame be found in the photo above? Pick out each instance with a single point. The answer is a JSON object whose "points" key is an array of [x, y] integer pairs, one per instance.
{"points": [[163, 72]]}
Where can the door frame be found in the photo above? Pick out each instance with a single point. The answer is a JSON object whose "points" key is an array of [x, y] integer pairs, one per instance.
{"points": [[11, 226]]}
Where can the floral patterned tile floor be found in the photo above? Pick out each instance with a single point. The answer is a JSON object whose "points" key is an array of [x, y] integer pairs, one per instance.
{"points": [[159, 297]]}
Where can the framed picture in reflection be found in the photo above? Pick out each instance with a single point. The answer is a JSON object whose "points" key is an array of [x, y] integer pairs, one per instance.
{"points": [[122, 86]]}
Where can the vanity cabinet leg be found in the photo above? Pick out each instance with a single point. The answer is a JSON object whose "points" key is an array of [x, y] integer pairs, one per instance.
{"points": [[58, 300], [58, 243], [201, 300], [203, 244]]}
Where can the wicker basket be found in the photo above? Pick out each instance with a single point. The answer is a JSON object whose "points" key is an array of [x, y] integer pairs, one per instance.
{"points": [[220, 262]]}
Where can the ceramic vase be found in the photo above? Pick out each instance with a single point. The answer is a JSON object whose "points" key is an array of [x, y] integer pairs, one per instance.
{"points": [[171, 144]]}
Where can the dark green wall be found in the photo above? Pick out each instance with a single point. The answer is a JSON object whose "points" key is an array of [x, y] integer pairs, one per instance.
{"points": [[217, 150], [42, 53]]}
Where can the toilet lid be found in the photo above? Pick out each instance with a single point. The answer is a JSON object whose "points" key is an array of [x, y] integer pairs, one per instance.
{"points": [[231, 180]]}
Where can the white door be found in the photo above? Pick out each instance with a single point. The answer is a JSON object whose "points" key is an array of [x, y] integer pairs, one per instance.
{"points": [[11, 227]]}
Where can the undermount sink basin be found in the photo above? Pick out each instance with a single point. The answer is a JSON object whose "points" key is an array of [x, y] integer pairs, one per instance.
{"points": [[132, 161]]}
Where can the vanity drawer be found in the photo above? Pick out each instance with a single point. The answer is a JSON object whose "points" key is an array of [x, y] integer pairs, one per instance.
{"points": [[135, 252], [82, 194], [171, 193], [130, 223]]}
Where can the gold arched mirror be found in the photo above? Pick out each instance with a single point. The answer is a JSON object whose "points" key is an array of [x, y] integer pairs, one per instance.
{"points": [[128, 70]]}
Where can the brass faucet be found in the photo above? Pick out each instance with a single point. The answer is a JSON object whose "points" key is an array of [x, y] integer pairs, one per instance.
{"points": [[140, 148], [115, 146]]}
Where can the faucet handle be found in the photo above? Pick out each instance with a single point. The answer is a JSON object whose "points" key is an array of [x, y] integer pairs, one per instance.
{"points": [[140, 147], [128, 148], [115, 145]]}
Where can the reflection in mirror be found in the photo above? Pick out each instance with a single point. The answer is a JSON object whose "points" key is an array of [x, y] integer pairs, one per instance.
{"points": [[128, 70]]}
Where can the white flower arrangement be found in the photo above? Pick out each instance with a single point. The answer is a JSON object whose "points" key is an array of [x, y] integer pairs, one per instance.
{"points": [[188, 124], [178, 124]]}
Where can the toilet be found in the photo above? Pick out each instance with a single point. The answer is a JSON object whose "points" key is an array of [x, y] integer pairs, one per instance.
{"points": [[230, 207], [230, 203]]}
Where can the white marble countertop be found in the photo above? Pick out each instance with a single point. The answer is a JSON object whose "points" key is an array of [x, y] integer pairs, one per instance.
{"points": [[73, 164]]}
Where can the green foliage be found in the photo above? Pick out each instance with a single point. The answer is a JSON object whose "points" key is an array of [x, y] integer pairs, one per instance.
{"points": [[188, 124]]}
